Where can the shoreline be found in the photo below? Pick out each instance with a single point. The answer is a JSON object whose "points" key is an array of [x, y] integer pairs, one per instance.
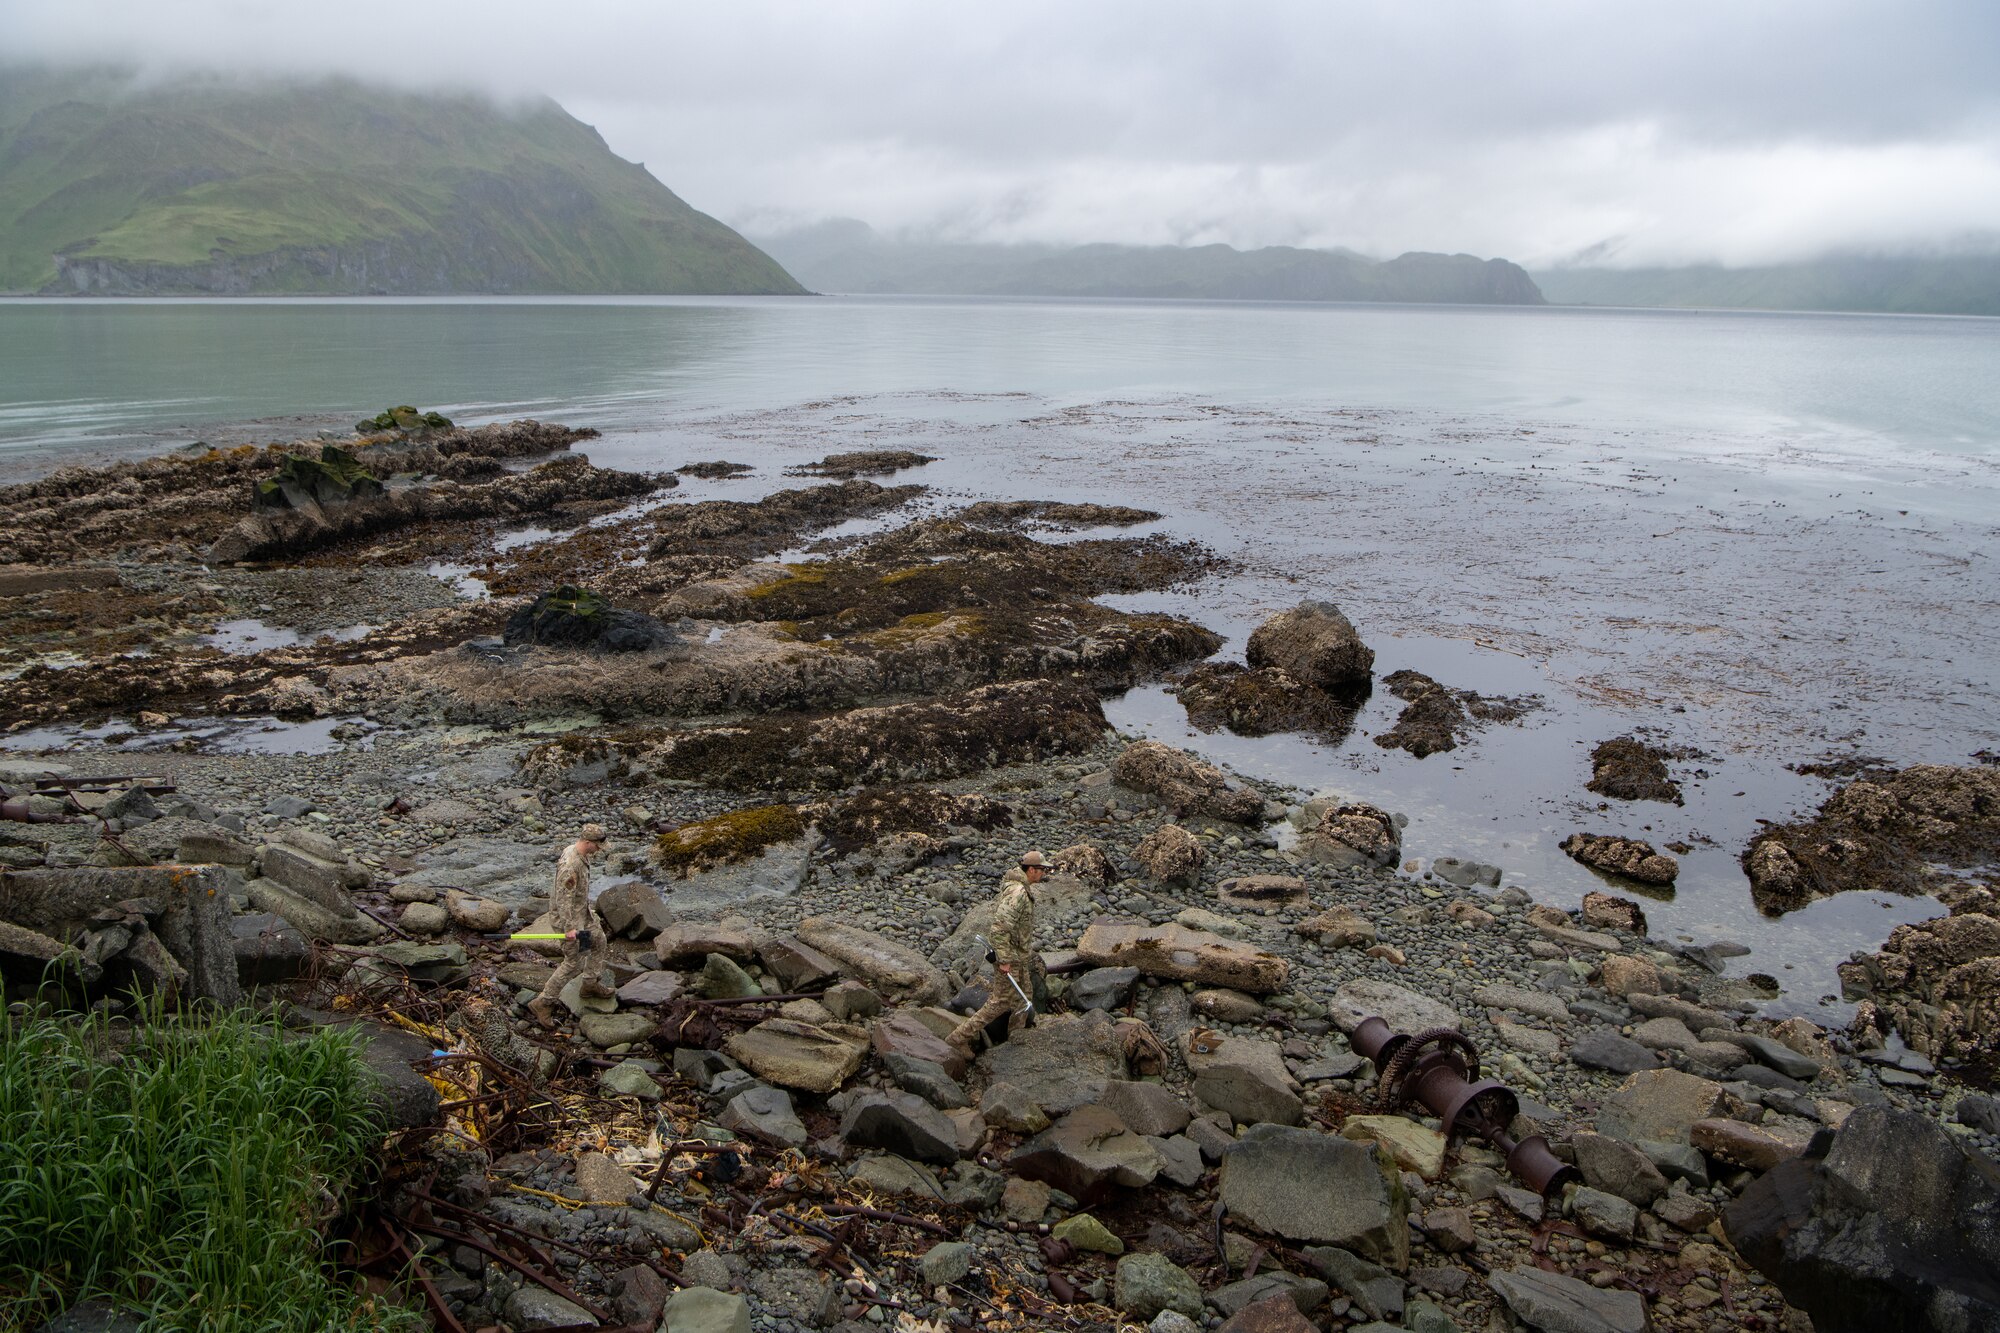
{"points": [[857, 701]]}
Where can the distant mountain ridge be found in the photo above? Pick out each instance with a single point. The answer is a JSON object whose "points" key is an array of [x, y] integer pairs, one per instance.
{"points": [[203, 185], [1966, 284], [847, 256]]}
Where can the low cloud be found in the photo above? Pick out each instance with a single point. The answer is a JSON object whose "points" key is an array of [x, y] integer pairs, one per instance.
{"points": [[1541, 130]]}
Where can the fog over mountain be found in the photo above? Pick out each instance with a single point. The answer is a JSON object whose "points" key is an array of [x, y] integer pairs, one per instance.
{"points": [[1550, 132]]}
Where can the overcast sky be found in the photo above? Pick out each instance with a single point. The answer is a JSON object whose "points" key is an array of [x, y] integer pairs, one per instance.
{"points": [[1740, 131]]}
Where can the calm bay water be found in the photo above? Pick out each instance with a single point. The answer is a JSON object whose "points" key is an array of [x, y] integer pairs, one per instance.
{"points": [[1765, 538]]}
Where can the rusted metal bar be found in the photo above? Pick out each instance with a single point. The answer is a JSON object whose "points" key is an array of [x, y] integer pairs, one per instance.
{"points": [[1439, 1068], [446, 1319], [876, 1214]]}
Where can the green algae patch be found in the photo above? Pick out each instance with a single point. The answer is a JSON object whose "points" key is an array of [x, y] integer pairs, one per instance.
{"points": [[736, 836], [800, 579]]}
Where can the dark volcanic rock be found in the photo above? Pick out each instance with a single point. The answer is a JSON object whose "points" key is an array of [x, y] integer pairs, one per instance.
{"points": [[1895, 1228], [572, 617], [1627, 769]]}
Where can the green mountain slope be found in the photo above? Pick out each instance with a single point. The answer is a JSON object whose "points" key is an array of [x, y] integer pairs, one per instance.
{"points": [[214, 186], [848, 256], [1967, 284]]}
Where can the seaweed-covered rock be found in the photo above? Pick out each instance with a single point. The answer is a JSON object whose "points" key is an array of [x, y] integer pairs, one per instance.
{"points": [[404, 418], [573, 617], [863, 463], [1171, 855], [1879, 833], [1187, 784], [1350, 835], [1631, 857], [1432, 718], [1260, 701], [1628, 769], [1937, 982], [1318, 645]]}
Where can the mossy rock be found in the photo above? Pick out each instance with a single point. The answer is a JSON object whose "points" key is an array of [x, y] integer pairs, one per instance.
{"points": [[736, 836], [335, 477], [403, 418]]}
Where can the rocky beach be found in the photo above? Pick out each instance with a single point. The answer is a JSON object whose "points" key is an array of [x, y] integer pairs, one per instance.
{"points": [[307, 725]]}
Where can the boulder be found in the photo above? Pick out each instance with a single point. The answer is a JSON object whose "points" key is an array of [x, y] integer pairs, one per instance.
{"points": [[1617, 1168], [902, 1123], [797, 965], [1146, 1284], [1660, 1106], [1401, 1008], [1559, 1304], [702, 1310], [692, 941], [1277, 1312], [1180, 954], [470, 912], [656, 987], [634, 910], [799, 1055], [895, 971], [1412, 1146], [1086, 1153], [1604, 1048], [904, 1034], [1353, 835], [1103, 988], [1377, 1291], [1625, 977], [1248, 1080], [1187, 785], [1737, 1143], [1602, 911], [1059, 1064], [530, 1307], [1892, 1228], [1146, 1108], [267, 949], [348, 925], [1302, 1294], [1317, 644], [1170, 855], [1307, 1186]]}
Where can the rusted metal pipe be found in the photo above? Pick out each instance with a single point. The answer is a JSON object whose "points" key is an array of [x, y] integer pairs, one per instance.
{"points": [[1439, 1068], [21, 812]]}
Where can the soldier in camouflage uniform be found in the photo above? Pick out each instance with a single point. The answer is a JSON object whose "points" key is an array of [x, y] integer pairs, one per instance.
{"points": [[571, 913], [1015, 962]]}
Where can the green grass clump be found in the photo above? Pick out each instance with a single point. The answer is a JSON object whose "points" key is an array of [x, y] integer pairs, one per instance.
{"points": [[184, 1172]]}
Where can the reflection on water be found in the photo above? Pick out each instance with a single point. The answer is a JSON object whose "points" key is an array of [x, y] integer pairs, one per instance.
{"points": [[242, 735]]}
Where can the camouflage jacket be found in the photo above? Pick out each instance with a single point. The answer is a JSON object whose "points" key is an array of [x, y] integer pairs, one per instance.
{"points": [[569, 905], [1014, 922]]}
